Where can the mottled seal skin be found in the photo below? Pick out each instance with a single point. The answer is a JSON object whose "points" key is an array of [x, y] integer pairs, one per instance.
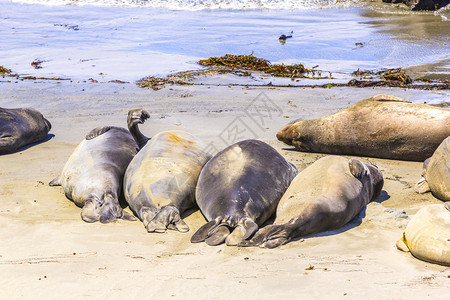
{"points": [[325, 196], [20, 127], [427, 235], [381, 126], [160, 181], [239, 189], [93, 175], [436, 173]]}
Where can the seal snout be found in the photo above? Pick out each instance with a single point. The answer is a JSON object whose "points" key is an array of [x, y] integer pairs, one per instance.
{"points": [[288, 134], [48, 125]]}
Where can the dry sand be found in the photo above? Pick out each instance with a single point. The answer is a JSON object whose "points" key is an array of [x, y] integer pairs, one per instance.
{"points": [[48, 252]]}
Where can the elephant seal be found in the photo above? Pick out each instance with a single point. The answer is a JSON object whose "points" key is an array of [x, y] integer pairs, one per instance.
{"points": [[239, 189], [93, 175], [436, 173], [427, 235], [20, 127], [381, 126], [160, 181], [325, 196]]}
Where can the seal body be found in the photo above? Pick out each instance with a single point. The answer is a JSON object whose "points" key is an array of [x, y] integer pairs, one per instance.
{"points": [[20, 127], [381, 126], [325, 196], [427, 235], [239, 189], [93, 175], [160, 181], [436, 173]]}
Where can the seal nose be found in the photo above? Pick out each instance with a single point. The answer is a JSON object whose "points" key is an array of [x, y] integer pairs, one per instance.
{"points": [[288, 133], [48, 124]]}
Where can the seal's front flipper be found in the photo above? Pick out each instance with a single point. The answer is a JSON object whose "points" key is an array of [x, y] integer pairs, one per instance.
{"points": [[244, 229], [356, 168], [218, 236], [167, 218], [55, 182], [401, 246], [90, 212], [202, 233], [422, 186], [97, 132]]}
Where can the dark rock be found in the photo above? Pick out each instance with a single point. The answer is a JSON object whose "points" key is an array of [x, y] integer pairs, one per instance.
{"points": [[421, 4]]}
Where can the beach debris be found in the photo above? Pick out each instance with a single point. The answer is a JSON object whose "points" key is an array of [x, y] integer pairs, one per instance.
{"points": [[395, 75], [37, 63], [70, 27], [311, 267], [92, 80], [359, 44], [252, 63], [4, 70], [284, 37], [157, 83]]}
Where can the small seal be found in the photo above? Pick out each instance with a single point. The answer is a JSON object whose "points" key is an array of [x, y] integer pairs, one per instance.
{"points": [[325, 196], [20, 127], [436, 173], [381, 126], [427, 235], [160, 181], [239, 189], [93, 175]]}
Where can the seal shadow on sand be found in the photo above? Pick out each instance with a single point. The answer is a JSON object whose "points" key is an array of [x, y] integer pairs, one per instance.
{"points": [[48, 138]]}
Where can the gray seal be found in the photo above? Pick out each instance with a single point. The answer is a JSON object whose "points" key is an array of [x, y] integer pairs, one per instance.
{"points": [[239, 189], [160, 181], [436, 173], [20, 127], [93, 175], [381, 126], [325, 196]]}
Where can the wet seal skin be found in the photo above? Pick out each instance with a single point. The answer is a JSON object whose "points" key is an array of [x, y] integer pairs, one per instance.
{"points": [[381, 126], [93, 175], [427, 235], [436, 173], [20, 127], [325, 196], [239, 189], [160, 181]]}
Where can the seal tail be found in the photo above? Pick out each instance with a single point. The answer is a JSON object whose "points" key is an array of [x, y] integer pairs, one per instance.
{"points": [[166, 218]]}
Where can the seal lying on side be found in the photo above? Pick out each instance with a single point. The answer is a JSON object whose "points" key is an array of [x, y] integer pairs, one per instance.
{"points": [[20, 127], [427, 235], [381, 126], [160, 181], [239, 189], [92, 177], [324, 196], [436, 173]]}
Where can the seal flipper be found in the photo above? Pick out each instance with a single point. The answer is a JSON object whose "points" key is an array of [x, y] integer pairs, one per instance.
{"points": [[55, 182], [90, 212], [167, 218], [422, 186], [244, 229], [97, 132], [202, 233], [137, 116], [356, 168], [270, 236], [127, 216], [218, 236]]}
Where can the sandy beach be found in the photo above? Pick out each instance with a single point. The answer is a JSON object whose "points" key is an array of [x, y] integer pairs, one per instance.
{"points": [[48, 252]]}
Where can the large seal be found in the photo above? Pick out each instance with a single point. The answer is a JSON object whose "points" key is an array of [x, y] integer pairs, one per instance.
{"points": [[427, 235], [325, 196], [20, 127], [239, 189], [160, 181], [381, 126], [436, 173], [93, 175]]}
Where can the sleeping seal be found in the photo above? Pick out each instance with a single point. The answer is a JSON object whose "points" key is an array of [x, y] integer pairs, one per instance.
{"points": [[436, 173], [20, 127], [239, 189], [325, 196], [160, 181], [381, 126], [427, 235], [92, 177]]}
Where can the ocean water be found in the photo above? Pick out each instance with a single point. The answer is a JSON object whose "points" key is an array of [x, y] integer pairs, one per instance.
{"points": [[129, 39]]}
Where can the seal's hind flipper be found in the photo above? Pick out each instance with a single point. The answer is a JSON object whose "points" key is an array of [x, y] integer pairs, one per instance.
{"points": [[127, 216], [244, 229], [90, 212], [219, 235], [55, 182], [137, 116], [97, 132], [270, 237], [167, 218], [202, 233], [422, 186], [356, 168]]}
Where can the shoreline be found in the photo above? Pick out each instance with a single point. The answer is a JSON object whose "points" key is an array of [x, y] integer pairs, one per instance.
{"points": [[48, 245]]}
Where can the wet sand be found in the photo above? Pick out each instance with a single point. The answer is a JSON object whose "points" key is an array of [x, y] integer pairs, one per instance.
{"points": [[47, 251]]}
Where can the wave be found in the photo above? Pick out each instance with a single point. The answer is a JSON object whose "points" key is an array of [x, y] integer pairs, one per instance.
{"points": [[205, 4]]}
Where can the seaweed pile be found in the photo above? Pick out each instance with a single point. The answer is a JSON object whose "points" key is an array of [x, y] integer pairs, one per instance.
{"points": [[390, 77], [4, 71]]}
